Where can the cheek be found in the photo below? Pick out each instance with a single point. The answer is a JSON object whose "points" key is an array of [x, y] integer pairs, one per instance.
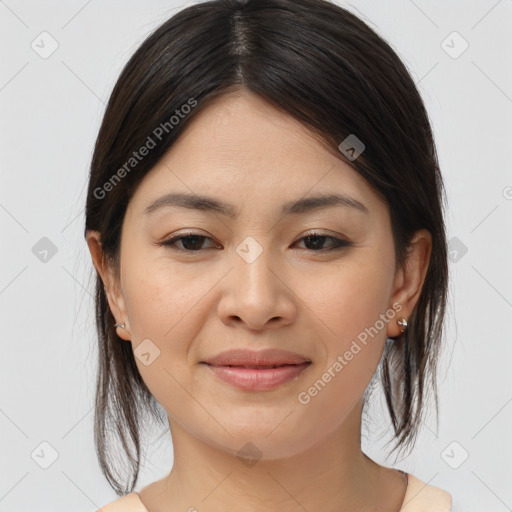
{"points": [[167, 304], [159, 295], [349, 305], [163, 306], [350, 298]]}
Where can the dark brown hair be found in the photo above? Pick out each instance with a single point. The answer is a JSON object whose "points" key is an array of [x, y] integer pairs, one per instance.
{"points": [[328, 69]]}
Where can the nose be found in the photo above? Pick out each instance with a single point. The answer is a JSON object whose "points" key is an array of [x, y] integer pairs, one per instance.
{"points": [[257, 294]]}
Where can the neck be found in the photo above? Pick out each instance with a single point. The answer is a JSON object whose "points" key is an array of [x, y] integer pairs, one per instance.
{"points": [[334, 475]]}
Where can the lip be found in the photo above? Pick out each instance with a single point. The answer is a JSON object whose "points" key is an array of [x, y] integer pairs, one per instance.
{"points": [[239, 368], [254, 379], [267, 357]]}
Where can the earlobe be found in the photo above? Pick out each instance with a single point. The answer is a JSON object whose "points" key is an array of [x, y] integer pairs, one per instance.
{"points": [[410, 279], [123, 330], [117, 306]]}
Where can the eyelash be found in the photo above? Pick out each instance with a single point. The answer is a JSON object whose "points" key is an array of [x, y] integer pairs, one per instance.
{"points": [[338, 243]]}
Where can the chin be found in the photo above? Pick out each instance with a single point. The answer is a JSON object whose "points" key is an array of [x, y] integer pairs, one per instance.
{"points": [[261, 441]]}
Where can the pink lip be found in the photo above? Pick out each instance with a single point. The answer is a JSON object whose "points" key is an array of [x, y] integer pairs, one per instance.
{"points": [[258, 379], [239, 367], [267, 357]]}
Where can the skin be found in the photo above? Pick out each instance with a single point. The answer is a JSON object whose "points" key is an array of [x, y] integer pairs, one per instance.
{"points": [[293, 296]]}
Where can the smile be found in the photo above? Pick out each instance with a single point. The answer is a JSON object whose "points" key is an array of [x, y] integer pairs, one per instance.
{"points": [[258, 377]]}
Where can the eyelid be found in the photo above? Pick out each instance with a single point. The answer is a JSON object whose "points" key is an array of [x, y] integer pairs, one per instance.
{"points": [[339, 241]]}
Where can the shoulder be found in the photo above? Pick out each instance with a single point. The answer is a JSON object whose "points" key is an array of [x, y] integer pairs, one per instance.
{"points": [[127, 503], [423, 497], [420, 497]]}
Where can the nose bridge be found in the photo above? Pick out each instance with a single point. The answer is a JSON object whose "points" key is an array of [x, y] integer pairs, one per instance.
{"points": [[252, 262], [256, 293]]}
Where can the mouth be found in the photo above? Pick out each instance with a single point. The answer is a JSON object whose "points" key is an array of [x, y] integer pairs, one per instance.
{"points": [[253, 366], [267, 358], [258, 377], [261, 370]]}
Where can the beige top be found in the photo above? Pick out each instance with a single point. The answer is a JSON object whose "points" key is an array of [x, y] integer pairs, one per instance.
{"points": [[419, 497]]}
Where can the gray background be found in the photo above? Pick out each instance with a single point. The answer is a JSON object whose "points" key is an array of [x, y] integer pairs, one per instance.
{"points": [[50, 113]]}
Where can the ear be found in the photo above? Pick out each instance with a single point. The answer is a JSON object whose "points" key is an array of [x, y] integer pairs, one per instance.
{"points": [[409, 279], [112, 286]]}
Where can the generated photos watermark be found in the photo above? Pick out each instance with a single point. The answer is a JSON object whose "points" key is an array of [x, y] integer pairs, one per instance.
{"points": [[149, 144], [304, 397]]}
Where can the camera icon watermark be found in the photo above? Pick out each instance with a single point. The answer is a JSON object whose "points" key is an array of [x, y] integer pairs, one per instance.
{"points": [[454, 455], [44, 250], [457, 249], [249, 454], [44, 45], [249, 249], [146, 352], [454, 45], [44, 455], [351, 147]]}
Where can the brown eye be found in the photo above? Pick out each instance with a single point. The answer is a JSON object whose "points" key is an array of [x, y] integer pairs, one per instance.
{"points": [[190, 243], [315, 241], [193, 242]]}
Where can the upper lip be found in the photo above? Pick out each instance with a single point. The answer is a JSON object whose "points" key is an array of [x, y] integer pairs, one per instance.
{"points": [[242, 357]]}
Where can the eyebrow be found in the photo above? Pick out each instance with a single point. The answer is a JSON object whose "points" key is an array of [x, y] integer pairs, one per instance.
{"points": [[210, 204]]}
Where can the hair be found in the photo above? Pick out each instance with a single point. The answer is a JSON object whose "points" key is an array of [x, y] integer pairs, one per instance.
{"points": [[325, 67]]}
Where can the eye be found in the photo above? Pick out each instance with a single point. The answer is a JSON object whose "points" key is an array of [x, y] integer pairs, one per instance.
{"points": [[193, 242], [317, 239]]}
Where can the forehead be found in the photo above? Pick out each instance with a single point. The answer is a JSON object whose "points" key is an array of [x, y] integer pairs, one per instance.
{"points": [[243, 149]]}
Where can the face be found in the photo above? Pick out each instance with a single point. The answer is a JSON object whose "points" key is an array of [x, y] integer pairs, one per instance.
{"points": [[317, 282]]}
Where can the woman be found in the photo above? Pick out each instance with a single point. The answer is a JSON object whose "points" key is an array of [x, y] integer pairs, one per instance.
{"points": [[264, 214]]}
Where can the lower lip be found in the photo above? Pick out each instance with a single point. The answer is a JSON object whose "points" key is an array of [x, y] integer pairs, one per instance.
{"points": [[253, 379]]}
